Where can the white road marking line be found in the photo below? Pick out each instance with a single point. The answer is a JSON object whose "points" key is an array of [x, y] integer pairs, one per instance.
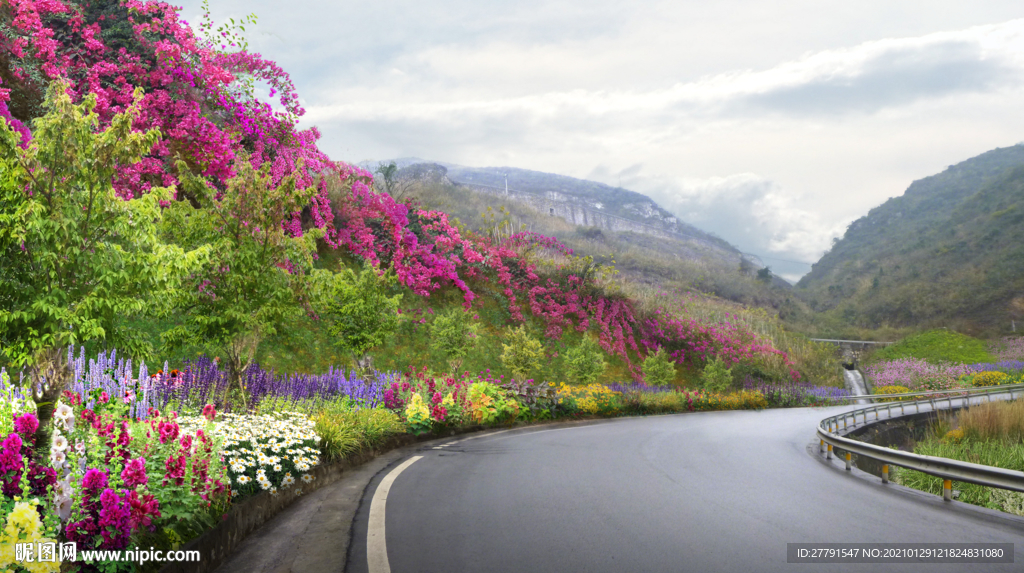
{"points": [[376, 545]]}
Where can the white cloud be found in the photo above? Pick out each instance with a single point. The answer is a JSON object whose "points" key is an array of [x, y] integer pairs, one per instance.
{"points": [[867, 77], [771, 124]]}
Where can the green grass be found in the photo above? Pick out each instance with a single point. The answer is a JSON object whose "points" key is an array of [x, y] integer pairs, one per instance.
{"points": [[987, 434], [937, 346], [990, 452], [344, 432]]}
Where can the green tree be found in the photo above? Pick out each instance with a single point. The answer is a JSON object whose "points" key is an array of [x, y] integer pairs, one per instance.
{"points": [[523, 353], [765, 275], [453, 333], [585, 361], [716, 377], [359, 312], [658, 368], [76, 260], [259, 274], [389, 182]]}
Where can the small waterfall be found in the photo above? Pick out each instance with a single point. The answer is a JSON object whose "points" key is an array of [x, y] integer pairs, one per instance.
{"points": [[855, 384]]}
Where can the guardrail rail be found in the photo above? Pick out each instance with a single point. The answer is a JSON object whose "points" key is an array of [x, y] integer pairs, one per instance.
{"points": [[947, 469]]}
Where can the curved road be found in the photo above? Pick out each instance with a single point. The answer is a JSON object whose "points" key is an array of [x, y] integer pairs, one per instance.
{"points": [[714, 491]]}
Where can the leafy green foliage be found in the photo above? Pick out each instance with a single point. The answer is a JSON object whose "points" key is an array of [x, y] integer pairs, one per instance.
{"points": [[716, 377], [490, 404], [937, 346], [75, 259], [259, 275], [345, 431], [359, 312], [658, 369], [453, 333], [585, 361], [523, 353]]}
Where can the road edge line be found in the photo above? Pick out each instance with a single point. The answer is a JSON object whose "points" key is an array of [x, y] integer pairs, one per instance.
{"points": [[376, 544]]}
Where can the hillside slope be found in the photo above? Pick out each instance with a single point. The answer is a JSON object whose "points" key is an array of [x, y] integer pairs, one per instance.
{"points": [[949, 252], [648, 245]]}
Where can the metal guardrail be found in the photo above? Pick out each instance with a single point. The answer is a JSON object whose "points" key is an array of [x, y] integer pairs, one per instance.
{"points": [[947, 469], [956, 392], [853, 341]]}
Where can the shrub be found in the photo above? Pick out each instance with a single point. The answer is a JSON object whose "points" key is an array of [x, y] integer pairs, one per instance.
{"points": [[991, 378], [892, 390], [743, 400], [716, 377], [954, 436], [489, 403], [595, 399], [658, 369], [523, 352], [585, 361], [453, 334], [359, 313], [937, 346]]}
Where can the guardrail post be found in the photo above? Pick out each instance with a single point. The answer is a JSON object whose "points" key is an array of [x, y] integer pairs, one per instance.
{"points": [[821, 447], [828, 456], [849, 461], [947, 490], [885, 473]]}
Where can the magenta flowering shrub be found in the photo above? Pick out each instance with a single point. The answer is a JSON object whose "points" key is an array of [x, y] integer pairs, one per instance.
{"points": [[690, 339], [192, 95]]}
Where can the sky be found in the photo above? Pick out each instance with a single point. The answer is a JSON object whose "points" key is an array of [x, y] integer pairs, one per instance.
{"points": [[773, 125]]}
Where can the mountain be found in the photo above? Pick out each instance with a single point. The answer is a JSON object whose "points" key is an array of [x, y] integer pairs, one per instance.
{"points": [[948, 252], [646, 242]]}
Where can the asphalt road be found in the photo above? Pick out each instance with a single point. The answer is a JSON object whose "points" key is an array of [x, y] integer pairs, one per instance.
{"points": [[714, 491]]}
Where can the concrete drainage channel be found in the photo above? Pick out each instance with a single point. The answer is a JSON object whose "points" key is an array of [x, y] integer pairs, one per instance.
{"points": [[834, 437]]}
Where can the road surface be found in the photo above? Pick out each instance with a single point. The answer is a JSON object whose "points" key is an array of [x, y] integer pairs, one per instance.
{"points": [[710, 491]]}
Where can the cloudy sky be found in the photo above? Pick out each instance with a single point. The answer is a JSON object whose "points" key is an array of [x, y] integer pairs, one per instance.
{"points": [[771, 124]]}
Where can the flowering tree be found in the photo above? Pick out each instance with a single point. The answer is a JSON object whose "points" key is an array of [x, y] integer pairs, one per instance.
{"points": [[259, 273], [198, 91], [75, 259]]}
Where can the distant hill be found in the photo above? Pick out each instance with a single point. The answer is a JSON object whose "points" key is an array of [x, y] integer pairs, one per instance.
{"points": [[648, 244], [948, 252]]}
